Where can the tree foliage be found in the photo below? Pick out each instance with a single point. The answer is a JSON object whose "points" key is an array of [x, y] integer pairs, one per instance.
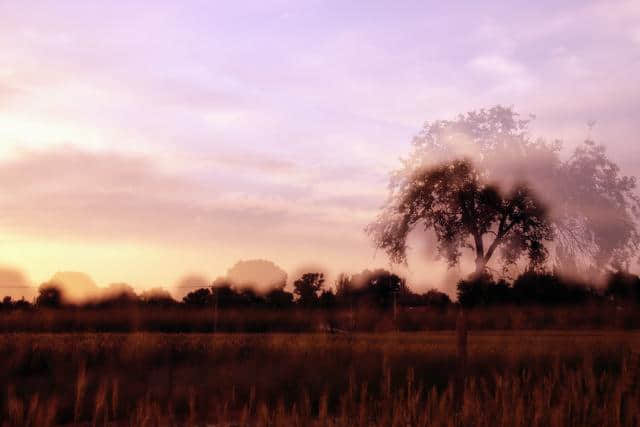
{"points": [[49, 295], [593, 208], [600, 208], [465, 212], [198, 298], [307, 288]]}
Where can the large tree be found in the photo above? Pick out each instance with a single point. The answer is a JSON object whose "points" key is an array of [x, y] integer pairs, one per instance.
{"points": [[465, 212], [593, 208], [599, 211]]}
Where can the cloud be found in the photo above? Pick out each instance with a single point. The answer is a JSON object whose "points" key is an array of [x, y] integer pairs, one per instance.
{"points": [[107, 195], [259, 274], [189, 283], [84, 195], [509, 75], [14, 283], [252, 161], [75, 286]]}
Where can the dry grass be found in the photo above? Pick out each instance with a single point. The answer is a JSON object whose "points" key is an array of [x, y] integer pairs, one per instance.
{"points": [[297, 320], [523, 378]]}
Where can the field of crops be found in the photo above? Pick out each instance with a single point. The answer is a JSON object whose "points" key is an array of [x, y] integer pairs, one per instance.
{"points": [[513, 378]]}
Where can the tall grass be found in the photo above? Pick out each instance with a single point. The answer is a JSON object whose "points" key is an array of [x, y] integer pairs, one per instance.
{"points": [[264, 320], [528, 379]]}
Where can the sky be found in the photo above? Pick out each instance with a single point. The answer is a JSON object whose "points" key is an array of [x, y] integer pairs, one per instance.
{"points": [[144, 141]]}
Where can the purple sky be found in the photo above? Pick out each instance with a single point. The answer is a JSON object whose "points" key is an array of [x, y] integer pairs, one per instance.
{"points": [[141, 141]]}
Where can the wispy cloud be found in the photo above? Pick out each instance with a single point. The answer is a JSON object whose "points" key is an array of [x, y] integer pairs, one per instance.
{"points": [[105, 195]]}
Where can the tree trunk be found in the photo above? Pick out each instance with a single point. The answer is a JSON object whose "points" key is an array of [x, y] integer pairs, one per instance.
{"points": [[480, 266]]}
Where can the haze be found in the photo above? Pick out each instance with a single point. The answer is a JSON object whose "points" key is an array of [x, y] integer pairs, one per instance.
{"points": [[143, 142]]}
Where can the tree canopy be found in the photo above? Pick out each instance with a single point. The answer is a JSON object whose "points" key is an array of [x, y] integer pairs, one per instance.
{"points": [[592, 208], [307, 288], [465, 212]]}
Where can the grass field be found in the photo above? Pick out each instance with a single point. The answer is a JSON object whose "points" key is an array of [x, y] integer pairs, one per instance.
{"points": [[513, 378], [363, 319]]}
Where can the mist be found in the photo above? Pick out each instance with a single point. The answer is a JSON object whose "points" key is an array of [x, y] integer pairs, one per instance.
{"points": [[592, 204]]}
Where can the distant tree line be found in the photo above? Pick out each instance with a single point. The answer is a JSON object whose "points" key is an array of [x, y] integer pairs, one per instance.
{"points": [[373, 289], [378, 289], [546, 289]]}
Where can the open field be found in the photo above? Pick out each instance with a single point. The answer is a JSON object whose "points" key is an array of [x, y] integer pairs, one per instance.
{"points": [[513, 378], [206, 320]]}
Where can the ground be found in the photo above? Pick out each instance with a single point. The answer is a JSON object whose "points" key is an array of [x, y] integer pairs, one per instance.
{"points": [[537, 378]]}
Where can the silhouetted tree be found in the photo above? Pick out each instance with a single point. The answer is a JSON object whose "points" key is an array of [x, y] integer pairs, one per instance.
{"points": [[600, 207], [343, 284], [377, 288], [596, 209], [465, 212], [118, 295], [225, 295], [22, 304], [386, 288], [198, 298], [157, 297], [307, 287], [49, 295]]}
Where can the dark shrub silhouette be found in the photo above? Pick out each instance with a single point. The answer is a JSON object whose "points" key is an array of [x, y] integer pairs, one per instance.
{"points": [[541, 288], [327, 299], [118, 295], [279, 298], [8, 303], [376, 288], [623, 287], [250, 298], [198, 298], [157, 297], [530, 288], [435, 298], [49, 295], [482, 290]]}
